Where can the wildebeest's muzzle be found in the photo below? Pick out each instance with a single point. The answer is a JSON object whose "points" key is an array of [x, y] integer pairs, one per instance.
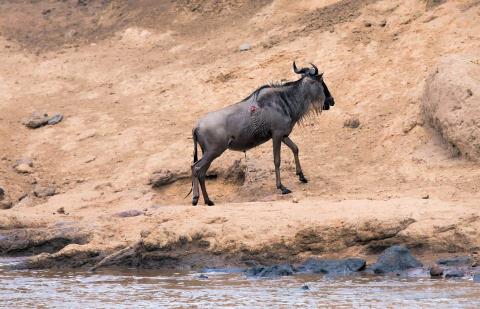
{"points": [[328, 102]]}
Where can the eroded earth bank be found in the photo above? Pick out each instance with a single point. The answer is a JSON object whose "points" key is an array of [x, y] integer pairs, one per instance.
{"points": [[395, 162]]}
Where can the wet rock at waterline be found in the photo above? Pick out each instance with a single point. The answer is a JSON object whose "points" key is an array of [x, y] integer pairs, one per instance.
{"points": [[395, 259], [456, 261], [333, 267], [270, 271], [455, 273], [436, 271]]}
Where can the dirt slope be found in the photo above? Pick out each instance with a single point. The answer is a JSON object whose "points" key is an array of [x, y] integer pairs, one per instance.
{"points": [[132, 78]]}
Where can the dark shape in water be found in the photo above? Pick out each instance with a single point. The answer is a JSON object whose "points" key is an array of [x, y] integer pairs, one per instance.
{"points": [[333, 267], [436, 271], [270, 271], [456, 261], [305, 287], [395, 259], [456, 273], [202, 276]]}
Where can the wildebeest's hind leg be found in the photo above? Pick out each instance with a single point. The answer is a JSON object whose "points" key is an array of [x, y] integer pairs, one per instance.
{"points": [[195, 184], [200, 171], [287, 141], [277, 143]]}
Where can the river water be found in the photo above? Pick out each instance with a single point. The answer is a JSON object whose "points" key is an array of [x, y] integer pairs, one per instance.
{"points": [[154, 289]]}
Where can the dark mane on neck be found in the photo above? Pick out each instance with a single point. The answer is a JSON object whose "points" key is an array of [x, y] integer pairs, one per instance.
{"points": [[272, 85]]}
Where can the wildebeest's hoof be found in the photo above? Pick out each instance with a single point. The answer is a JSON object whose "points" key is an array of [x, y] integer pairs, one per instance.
{"points": [[303, 179], [195, 201], [285, 191], [209, 203]]}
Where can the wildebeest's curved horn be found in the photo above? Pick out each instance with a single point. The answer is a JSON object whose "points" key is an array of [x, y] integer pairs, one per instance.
{"points": [[315, 67], [295, 69]]}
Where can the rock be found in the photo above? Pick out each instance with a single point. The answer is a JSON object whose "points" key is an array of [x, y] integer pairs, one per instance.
{"points": [[55, 119], [5, 203], [2, 193], [425, 197], [409, 125], [23, 168], [26, 161], [37, 121], [395, 259], [33, 241], [436, 271], [44, 191], [202, 276], [456, 261], [367, 24], [270, 271], [351, 123], [382, 23], [128, 213], [162, 177], [333, 267], [61, 210], [245, 47], [455, 273], [476, 278], [451, 104], [305, 287]]}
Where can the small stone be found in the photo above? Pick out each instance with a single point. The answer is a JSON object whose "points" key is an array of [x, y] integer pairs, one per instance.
{"points": [[23, 169], [367, 24], [128, 213], [352, 123], [436, 271], [202, 276], [2, 193], [6, 204], [90, 159], [305, 287], [26, 161], [245, 47], [382, 23], [409, 125], [145, 233], [469, 92], [44, 191], [55, 119], [61, 210], [425, 197], [456, 273], [295, 200], [37, 121]]}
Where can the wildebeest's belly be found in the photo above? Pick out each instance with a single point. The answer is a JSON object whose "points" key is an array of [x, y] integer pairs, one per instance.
{"points": [[241, 144]]}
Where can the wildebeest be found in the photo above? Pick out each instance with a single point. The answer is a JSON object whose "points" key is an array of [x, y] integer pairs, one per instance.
{"points": [[270, 112]]}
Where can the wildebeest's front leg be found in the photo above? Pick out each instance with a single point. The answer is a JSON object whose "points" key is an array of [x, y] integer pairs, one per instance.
{"points": [[277, 143], [287, 141]]}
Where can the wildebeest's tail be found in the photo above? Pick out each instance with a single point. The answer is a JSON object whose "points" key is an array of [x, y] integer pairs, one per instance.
{"points": [[195, 156], [195, 151]]}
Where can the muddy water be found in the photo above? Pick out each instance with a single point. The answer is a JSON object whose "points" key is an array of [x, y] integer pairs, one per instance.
{"points": [[151, 289]]}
